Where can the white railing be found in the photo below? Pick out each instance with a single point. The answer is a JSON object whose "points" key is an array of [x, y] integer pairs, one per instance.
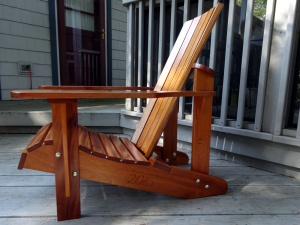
{"points": [[238, 126]]}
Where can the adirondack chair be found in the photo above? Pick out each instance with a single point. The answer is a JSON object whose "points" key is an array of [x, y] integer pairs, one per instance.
{"points": [[71, 151]]}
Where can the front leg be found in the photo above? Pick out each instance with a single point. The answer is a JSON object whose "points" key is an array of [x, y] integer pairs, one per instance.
{"points": [[65, 148]]}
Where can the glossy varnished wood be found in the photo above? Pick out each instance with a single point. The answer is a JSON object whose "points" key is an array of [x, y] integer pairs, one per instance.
{"points": [[64, 122], [158, 163], [161, 81], [97, 146], [39, 138], [170, 134], [49, 138], [111, 151], [140, 159], [181, 158], [75, 94], [201, 123], [122, 150], [95, 88], [177, 182], [186, 57], [84, 139]]}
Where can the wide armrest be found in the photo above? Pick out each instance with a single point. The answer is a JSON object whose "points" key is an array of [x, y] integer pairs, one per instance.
{"points": [[96, 88], [74, 94]]}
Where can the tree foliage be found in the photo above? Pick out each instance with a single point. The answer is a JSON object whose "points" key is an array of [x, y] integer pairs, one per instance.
{"points": [[260, 7]]}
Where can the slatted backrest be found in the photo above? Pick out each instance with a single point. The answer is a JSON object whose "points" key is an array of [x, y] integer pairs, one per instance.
{"points": [[185, 52]]}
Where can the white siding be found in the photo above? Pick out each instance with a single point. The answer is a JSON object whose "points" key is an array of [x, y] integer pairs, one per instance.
{"points": [[119, 26], [24, 36]]}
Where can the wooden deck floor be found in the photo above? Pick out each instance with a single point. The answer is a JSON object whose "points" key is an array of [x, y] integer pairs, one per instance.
{"points": [[254, 197]]}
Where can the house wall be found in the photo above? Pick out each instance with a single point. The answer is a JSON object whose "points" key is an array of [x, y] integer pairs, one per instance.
{"points": [[119, 28], [24, 36]]}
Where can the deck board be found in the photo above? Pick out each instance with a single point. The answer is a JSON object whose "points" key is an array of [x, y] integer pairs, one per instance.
{"points": [[254, 197]]}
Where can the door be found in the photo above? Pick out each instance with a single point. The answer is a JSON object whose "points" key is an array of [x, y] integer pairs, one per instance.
{"points": [[83, 53]]}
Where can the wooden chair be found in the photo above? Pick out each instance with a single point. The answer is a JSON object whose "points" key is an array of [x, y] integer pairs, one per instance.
{"points": [[71, 151]]}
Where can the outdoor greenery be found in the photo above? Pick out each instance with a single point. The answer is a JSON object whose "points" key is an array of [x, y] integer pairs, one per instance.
{"points": [[260, 7]]}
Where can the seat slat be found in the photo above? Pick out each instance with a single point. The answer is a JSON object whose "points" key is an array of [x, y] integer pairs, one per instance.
{"points": [[39, 138], [158, 163], [49, 137], [84, 139], [111, 151], [124, 153], [97, 147], [141, 160]]}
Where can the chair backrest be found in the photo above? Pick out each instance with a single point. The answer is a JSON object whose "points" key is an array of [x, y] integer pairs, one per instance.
{"points": [[185, 52]]}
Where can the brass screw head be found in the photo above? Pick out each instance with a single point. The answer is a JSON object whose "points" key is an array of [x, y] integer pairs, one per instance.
{"points": [[174, 154], [75, 174], [58, 154], [167, 160]]}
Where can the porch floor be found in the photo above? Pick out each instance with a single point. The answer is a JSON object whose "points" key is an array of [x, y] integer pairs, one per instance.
{"points": [[254, 197]]}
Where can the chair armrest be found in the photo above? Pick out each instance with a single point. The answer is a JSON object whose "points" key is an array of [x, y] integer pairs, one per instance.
{"points": [[74, 94], [96, 88]]}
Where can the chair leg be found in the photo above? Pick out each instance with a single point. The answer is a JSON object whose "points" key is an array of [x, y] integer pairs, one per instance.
{"points": [[169, 153], [65, 148], [201, 123]]}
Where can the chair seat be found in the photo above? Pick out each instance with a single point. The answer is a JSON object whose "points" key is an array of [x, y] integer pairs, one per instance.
{"points": [[110, 147]]}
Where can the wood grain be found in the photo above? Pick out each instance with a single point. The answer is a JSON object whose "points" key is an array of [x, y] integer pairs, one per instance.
{"points": [[161, 81], [122, 150], [163, 107], [95, 88], [39, 138], [97, 147], [140, 159], [205, 69], [182, 158], [67, 207], [201, 123], [178, 182], [170, 138], [49, 138], [158, 163], [155, 124], [111, 152], [84, 139], [75, 94]]}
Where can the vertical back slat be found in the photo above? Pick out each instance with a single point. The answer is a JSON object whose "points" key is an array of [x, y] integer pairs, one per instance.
{"points": [[171, 77], [194, 40], [161, 80]]}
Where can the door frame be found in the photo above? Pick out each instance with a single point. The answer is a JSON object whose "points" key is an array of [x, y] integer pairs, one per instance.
{"points": [[62, 42]]}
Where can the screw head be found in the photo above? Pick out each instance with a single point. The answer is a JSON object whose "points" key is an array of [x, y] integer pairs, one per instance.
{"points": [[206, 186], [75, 174], [167, 160], [58, 154], [91, 152], [174, 154], [198, 181]]}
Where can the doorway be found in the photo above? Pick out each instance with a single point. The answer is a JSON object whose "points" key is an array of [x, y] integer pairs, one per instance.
{"points": [[81, 25]]}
